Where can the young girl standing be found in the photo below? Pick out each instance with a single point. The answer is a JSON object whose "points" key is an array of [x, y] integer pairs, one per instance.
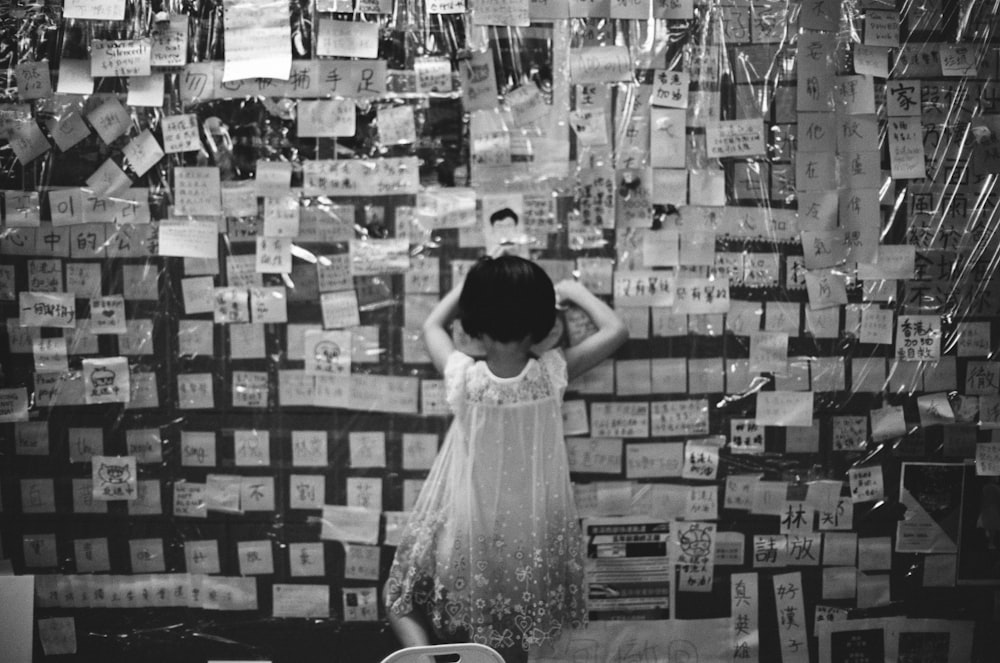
{"points": [[492, 552]]}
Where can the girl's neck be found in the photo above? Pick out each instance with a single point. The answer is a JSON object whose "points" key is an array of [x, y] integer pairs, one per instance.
{"points": [[507, 360]]}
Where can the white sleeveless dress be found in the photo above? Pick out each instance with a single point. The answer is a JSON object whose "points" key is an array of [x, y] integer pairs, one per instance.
{"points": [[492, 552]]}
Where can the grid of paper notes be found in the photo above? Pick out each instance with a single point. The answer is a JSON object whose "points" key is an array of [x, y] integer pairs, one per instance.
{"points": [[224, 225]]}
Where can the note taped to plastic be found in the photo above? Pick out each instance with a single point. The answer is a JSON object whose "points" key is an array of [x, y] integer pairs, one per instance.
{"points": [[112, 57], [326, 118], [22, 209], [189, 239], [180, 133], [349, 39], [360, 177], [370, 257], [33, 80], [106, 380], [784, 408], [307, 601], [13, 404], [57, 635], [600, 64], [47, 309], [197, 190], [146, 90], [114, 478], [353, 524], [95, 10], [735, 138], [258, 40], [74, 76], [170, 42], [906, 148], [446, 208], [501, 12], [871, 60], [653, 640], [644, 288]]}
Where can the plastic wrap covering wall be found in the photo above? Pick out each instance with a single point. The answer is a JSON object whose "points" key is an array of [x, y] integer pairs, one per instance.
{"points": [[224, 222]]}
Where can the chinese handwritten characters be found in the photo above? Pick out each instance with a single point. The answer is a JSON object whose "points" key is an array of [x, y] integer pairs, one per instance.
{"points": [[744, 603], [918, 337], [789, 605]]}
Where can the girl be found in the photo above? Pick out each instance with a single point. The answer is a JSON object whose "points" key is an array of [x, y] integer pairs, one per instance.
{"points": [[492, 552]]}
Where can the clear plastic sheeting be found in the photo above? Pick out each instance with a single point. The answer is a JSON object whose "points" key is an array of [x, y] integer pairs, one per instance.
{"points": [[224, 223]]}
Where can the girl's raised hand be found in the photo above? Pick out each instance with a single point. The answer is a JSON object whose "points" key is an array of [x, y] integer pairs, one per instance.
{"points": [[568, 291], [611, 331]]}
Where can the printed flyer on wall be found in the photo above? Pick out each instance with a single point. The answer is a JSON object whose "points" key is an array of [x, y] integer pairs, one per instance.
{"points": [[625, 571]]}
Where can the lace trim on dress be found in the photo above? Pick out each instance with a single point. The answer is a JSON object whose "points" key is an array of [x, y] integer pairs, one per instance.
{"points": [[482, 387]]}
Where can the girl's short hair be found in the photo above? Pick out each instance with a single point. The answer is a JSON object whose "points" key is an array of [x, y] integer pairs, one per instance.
{"points": [[507, 298]]}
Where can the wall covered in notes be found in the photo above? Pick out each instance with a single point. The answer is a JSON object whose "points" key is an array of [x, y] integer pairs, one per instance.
{"points": [[224, 222]]}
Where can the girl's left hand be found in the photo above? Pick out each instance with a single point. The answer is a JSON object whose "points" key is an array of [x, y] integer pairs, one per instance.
{"points": [[501, 250]]}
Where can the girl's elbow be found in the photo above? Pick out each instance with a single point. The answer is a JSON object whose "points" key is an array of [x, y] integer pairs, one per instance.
{"points": [[621, 334]]}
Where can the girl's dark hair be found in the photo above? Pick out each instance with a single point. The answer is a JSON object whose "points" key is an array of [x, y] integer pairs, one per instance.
{"points": [[507, 298]]}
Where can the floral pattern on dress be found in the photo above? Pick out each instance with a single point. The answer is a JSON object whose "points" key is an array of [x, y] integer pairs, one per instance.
{"points": [[496, 604], [493, 549]]}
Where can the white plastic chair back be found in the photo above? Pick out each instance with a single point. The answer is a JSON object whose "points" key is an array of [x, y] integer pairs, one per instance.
{"points": [[468, 652]]}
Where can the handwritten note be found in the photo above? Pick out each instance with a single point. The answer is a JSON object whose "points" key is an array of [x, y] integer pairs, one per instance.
{"points": [[326, 118], [180, 133], [107, 315], [114, 478], [918, 337], [143, 152], [327, 351], [679, 418], [258, 40], [960, 59], [670, 89], [197, 190], [619, 419], [188, 239], [169, 42], [735, 138], [906, 148], [95, 10], [57, 635], [33, 80], [303, 601], [643, 460], [600, 64], [866, 483], [106, 380], [120, 57], [881, 28], [361, 177], [784, 408], [353, 39], [39, 309], [350, 523], [27, 141], [501, 12], [479, 81], [110, 119], [789, 598]]}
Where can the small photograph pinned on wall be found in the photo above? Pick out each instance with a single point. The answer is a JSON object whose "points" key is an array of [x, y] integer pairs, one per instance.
{"points": [[979, 536], [501, 215]]}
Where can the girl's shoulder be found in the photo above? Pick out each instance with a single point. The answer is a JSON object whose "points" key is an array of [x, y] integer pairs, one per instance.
{"points": [[458, 362], [455, 369], [553, 361]]}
